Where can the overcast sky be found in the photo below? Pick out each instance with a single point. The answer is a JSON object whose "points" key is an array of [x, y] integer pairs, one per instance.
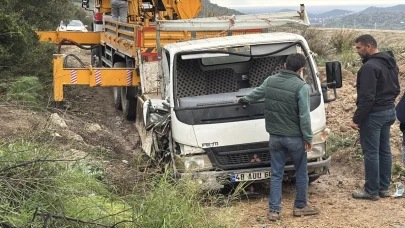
{"points": [[278, 3]]}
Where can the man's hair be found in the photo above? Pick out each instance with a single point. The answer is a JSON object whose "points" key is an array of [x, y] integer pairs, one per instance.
{"points": [[295, 62], [367, 39]]}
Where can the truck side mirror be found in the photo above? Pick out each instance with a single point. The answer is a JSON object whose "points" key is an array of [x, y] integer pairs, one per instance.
{"points": [[333, 80], [334, 74]]}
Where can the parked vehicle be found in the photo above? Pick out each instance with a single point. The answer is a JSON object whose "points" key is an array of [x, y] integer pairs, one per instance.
{"points": [[73, 25]]}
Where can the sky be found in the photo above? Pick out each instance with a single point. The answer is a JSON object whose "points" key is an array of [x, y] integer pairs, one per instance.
{"points": [[278, 3]]}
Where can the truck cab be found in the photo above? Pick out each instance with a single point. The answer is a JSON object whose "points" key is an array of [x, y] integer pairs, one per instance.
{"points": [[212, 135]]}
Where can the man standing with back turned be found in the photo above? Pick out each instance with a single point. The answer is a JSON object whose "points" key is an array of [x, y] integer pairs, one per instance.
{"points": [[377, 88], [288, 122]]}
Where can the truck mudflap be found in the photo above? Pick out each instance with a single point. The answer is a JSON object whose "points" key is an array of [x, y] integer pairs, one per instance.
{"points": [[217, 179]]}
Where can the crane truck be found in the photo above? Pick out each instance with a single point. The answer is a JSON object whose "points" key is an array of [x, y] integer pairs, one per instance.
{"points": [[179, 78]]}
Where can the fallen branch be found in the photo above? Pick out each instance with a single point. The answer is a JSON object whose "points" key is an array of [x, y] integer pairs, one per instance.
{"points": [[47, 214], [37, 161]]}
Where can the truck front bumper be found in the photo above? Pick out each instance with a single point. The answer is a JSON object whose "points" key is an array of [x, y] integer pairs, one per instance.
{"points": [[216, 179]]}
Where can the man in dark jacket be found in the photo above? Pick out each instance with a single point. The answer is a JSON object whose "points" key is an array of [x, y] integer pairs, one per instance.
{"points": [[288, 122], [400, 109], [377, 88]]}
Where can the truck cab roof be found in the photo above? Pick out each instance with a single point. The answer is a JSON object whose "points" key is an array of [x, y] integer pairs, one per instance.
{"points": [[233, 41]]}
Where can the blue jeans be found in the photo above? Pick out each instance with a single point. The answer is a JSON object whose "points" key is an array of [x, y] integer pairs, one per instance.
{"points": [[280, 147], [375, 143], [403, 148]]}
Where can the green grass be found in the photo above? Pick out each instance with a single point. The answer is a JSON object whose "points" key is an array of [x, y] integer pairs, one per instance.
{"points": [[40, 184], [341, 141]]}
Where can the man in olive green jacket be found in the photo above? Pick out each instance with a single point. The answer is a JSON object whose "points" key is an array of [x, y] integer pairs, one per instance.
{"points": [[288, 121]]}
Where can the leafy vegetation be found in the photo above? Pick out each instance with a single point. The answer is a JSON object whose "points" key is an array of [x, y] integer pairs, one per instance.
{"points": [[20, 49], [26, 90], [340, 141], [42, 185]]}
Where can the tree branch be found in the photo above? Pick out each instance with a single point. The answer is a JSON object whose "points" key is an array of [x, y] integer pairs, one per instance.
{"points": [[25, 163], [71, 219]]}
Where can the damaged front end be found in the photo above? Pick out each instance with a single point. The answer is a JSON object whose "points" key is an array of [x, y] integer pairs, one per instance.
{"points": [[154, 129]]}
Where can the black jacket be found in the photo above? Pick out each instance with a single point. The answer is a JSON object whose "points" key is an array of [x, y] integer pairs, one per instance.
{"points": [[377, 85]]}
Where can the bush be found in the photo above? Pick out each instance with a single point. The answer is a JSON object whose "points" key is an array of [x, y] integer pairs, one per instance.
{"points": [[343, 40], [42, 185], [316, 41], [38, 184], [348, 58], [339, 141], [37, 61], [25, 90]]}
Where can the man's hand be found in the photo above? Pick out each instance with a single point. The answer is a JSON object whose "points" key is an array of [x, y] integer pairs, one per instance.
{"points": [[241, 101], [354, 126], [308, 146]]}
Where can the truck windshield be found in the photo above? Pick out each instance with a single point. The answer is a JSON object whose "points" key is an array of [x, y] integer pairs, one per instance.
{"points": [[204, 80]]}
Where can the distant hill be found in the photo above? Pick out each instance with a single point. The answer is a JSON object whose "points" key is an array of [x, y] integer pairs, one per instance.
{"points": [[209, 9], [373, 9], [334, 13], [286, 10], [371, 20]]}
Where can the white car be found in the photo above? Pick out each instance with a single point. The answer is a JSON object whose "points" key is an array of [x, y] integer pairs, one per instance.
{"points": [[73, 25]]}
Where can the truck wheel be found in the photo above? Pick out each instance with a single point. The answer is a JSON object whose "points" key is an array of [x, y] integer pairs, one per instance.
{"points": [[116, 91], [128, 106], [312, 179]]}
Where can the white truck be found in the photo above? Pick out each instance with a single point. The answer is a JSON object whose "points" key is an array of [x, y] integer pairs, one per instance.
{"points": [[185, 104], [189, 117]]}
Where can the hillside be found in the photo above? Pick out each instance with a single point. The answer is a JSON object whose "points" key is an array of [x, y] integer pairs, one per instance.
{"points": [[373, 9], [209, 9], [333, 13], [378, 20]]}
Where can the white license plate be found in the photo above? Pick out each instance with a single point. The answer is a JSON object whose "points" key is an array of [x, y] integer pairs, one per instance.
{"points": [[238, 177]]}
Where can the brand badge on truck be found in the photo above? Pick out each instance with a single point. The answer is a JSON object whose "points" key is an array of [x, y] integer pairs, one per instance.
{"points": [[255, 159]]}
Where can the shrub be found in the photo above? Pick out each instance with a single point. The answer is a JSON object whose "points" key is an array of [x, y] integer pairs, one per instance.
{"points": [[338, 141], [25, 90], [343, 40], [316, 42]]}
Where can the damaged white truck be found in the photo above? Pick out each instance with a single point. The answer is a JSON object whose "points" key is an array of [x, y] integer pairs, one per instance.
{"points": [[189, 117]]}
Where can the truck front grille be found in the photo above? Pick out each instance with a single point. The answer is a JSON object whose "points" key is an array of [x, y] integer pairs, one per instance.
{"points": [[240, 156]]}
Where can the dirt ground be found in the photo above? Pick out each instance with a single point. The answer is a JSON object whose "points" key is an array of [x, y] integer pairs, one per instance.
{"points": [[331, 193]]}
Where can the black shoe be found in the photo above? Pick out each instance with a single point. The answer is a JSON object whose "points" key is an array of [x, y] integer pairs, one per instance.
{"points": [[384, 194], [361, 194]]}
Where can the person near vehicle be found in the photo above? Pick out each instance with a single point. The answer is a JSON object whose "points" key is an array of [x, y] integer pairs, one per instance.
{"points": [[119, 10], [400, 111], [377, 88], [288, 122]]}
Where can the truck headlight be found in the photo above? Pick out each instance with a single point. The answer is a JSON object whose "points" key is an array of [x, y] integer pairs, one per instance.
{"points": [[197, 163], [318, 150], [319, 142]]}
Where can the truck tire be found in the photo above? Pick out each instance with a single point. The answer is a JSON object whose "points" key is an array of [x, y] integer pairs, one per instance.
{"points": [[116, 91], [312, 179], [128, 106]]}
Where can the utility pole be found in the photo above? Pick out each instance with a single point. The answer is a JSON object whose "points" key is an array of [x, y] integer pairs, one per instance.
{"points": [[375, 26], [354, 23]]}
